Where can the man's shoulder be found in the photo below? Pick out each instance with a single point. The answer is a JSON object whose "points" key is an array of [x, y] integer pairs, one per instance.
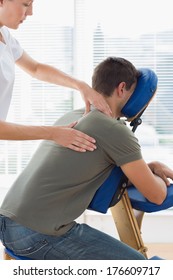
{"points": [[93, 120], [98, 124], [70, 117], [96, 117], [80, 116]]}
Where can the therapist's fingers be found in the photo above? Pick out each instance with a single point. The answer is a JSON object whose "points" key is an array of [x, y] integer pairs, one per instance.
{"points": [[92, 97], [87, 107], [73, 139]]}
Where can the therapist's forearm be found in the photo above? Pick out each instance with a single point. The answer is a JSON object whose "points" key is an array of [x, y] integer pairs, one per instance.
{"points": [[52, 75], [10, 131]]}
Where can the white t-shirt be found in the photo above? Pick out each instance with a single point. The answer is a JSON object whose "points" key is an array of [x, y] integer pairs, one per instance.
{"points": [[10, 51]]}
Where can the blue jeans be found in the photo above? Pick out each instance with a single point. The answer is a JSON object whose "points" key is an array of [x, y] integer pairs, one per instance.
{"points": [[81, 242]]}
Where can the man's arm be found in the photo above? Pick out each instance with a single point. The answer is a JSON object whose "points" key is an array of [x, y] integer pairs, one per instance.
{"points": [[52, 75], [151, 180]]}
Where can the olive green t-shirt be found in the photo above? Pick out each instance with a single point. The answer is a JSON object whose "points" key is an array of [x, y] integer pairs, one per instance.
{"points": [[58, 184]]}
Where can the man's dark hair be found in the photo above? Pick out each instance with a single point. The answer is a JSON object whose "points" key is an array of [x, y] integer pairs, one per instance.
{"points": [[111, 72]]}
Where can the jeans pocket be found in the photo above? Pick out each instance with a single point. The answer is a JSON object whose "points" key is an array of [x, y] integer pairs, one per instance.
{"points": [[36, 248]]}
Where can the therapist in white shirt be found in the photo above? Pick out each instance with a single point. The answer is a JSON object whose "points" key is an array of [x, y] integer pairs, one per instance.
{"points": [[12, 14]]}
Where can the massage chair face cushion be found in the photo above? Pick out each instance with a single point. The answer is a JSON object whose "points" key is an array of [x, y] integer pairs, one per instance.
{"points": [[142, 95]]}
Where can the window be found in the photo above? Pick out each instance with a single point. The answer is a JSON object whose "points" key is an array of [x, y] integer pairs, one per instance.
{"points": [[141, 32], [75, 39]]}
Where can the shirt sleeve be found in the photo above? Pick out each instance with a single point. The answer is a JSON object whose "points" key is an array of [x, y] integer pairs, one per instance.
{"points": [[123, 146], [13, 44], [17, 50]]}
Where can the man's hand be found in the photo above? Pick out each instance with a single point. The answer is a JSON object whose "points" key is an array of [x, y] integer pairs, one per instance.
{"points": [[161, 170]]}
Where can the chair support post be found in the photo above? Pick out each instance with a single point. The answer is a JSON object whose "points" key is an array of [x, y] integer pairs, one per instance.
{"points": [[127, 225]]}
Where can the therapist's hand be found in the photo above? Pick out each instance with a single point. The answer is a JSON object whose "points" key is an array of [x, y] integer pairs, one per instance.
{"points": [[92, 97], [73, 139]]}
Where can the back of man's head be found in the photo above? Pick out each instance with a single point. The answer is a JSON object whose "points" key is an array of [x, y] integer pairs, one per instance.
{"points": [[111, 72]]}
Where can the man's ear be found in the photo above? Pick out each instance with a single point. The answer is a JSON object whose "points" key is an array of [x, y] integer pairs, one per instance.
{"points": [[121, 89]]}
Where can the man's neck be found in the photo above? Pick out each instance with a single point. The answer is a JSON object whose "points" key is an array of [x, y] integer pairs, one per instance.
{"points": [[114, 106]]}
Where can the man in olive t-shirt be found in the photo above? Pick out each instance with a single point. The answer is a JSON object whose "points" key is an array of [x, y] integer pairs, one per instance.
{"points": [[58, 184]]}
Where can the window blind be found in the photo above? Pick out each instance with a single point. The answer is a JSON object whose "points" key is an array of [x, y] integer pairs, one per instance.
{"points": [[133, 30], [50, 41]]}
